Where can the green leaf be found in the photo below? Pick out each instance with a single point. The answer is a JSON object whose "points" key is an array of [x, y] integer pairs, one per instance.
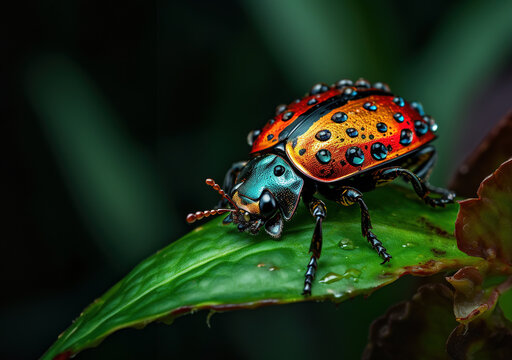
{"points": [[216, 267]]}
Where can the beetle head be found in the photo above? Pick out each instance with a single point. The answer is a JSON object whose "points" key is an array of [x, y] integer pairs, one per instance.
{"points": [[266, 191]]}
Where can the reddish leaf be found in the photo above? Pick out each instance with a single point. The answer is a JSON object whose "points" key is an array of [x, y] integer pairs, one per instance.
{"points": [[471, 299], [484, 227], [484, 338]]}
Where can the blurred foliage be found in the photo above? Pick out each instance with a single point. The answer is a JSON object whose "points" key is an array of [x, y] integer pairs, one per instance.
{"points": [[110, 177], [124, 110], [414, 329]]}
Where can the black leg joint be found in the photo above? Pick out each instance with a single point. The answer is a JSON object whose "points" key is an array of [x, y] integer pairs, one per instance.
{"points": [[319, 211]]}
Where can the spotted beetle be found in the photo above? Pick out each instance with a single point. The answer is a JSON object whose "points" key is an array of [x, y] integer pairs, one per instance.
{"points": [[338, 141]]}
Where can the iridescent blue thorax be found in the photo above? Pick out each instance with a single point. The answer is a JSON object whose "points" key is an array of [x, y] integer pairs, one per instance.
{"points": [[271, 173], [266, 190]]}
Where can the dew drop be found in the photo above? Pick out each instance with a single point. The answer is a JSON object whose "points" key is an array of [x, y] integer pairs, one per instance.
{"points": [[362, 83], [280, 108], [318, 89], [330, 278], [352, 273], [344, 82], [346, 244]]}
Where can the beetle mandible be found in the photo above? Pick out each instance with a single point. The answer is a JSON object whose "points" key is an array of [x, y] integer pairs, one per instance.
{"points": [[338, 141]]}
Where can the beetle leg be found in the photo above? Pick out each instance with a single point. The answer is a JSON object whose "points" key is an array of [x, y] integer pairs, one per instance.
{"points": [[421, 187], [349, 196], [229, 181], [425, 159], [319, 211]]}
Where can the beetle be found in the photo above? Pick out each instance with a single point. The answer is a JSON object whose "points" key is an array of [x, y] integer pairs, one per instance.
{"points": [[338, 141]]}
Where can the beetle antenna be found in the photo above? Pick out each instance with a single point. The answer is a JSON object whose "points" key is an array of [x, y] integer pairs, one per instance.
{"points": [[202, 214], [215, 186]]}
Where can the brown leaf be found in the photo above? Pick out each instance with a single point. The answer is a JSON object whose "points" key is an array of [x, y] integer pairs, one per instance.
{"points": [[484, 226]]}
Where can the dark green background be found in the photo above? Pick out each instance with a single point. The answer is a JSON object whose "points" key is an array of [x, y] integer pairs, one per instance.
{"points": [[116, 113]]}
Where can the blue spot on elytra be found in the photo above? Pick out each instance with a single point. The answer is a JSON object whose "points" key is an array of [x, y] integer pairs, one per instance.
{"points": [[379, 151], [406, 137], [399, 101], [352, 132], [287, 115], [354, 156], [323, 156], [369, 106], [398, 117], [323, 135], [418, 107], [420, 127], [339, 117], [381, 127]]}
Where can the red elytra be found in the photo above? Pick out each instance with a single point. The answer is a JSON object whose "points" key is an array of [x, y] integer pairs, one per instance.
{"points": [[323, 131]]}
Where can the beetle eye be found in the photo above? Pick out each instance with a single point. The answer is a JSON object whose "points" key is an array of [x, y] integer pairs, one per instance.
{"points": [[279, 170], [267, 204], [247, 216]]}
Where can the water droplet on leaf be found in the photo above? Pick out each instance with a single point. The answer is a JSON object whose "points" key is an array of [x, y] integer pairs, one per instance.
{"points": [[352, 273], [346, 244], [408, 244], [330, 278]]}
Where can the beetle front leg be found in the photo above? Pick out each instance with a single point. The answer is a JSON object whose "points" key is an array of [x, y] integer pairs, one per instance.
{"points": [[319, 212], [349, 196]]}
